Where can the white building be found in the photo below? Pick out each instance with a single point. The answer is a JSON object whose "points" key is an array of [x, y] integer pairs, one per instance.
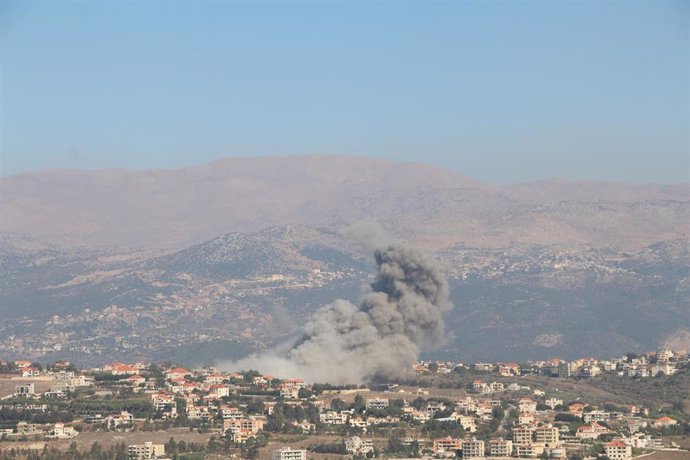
{"points": [[377, 403], [617, 450], [145, 451], [286, 453], [357, 445], [472, 449]]}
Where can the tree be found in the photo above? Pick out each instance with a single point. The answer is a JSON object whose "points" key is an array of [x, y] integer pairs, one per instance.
{"points": [[338, 404], [359, 404]]}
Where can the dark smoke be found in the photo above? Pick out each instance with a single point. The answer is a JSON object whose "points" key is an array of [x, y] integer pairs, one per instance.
{"points": [[399, 314]]}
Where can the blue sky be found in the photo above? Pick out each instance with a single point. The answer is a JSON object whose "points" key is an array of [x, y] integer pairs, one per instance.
{"points": [[500, 91]]}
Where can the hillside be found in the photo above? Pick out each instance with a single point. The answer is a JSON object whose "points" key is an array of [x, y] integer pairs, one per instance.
{"points": [[243, 291], [173, 209]]}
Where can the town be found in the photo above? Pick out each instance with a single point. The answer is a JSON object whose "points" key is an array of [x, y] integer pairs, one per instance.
{"points": [[582, 409]]}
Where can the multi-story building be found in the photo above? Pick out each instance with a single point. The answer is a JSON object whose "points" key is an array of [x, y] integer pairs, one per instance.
{"points": [[357, 445], [472, 448], [529, 450], [286, 453], [145, 451], [500, 448], [618, 450], [548, 435], [447, 444], [522, 435], [377, 403]]}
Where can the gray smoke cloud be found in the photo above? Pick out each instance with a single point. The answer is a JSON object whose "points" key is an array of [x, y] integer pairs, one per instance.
{"points": [[399, 314]]}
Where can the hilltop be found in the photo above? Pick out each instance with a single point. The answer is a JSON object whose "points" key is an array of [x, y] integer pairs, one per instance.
{"points": [[436, 208]]}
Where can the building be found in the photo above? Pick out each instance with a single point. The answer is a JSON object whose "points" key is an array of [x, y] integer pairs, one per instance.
{"points": [[591, 431], [60, 431], [177, 373], [377, 403], [522, 435], [527, 405], [597, 416], [529, 450], [145, 451], [618, 450], [448, 444], [24, 390], [357, 445], [500, 448], [547, 435], [286, 453], [472, 449], [664, 422]]}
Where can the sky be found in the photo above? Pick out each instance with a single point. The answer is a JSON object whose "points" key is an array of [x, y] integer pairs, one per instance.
{"points": [[500, 91]]}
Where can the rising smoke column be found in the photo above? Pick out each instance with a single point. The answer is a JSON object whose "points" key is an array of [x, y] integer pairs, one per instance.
{"points": [[399, 313]]}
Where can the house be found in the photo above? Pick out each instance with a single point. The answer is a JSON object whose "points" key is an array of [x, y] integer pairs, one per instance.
{"points": [[377, 403], [527, 405], [467, 423], [496, 386], [664, 422], [357, 422], [122, 420], [24, 390], [231, 413], [31, 372], [305, 426], [447, 444], [63, 364], [289, 392], [618, 450], [333, 417], [597, 416], [123, 369], [250, 425], [177, 373], [293, 383], [591, 431], [529, 450], [135, 380], [218, 391], [525, 418], [164, 402], [214, 379], [22, 363], [478, 385], [198, 412], [508, 369], [60, 431], [576, 408], [358, 446]]}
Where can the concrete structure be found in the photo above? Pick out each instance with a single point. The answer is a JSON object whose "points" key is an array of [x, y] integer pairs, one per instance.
{"points": [[286, 453], [145, 451], [472, 449]]}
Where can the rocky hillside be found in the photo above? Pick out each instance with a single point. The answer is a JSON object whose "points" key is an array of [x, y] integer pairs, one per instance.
{"points": [[243, 291]]}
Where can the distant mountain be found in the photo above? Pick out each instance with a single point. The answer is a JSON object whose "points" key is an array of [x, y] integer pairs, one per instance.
{"points": [[172, 209]]}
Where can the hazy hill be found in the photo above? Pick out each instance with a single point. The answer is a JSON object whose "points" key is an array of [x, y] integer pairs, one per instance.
{"points": [[245, 290], [424, 204]]}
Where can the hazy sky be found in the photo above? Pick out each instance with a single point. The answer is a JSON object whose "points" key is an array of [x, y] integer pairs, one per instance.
{"points": [[501, 91]]}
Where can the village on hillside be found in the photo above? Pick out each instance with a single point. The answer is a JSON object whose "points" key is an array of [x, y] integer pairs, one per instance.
{"points": [[436, 410]]}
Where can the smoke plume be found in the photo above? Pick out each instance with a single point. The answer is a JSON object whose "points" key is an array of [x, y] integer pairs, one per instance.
{"points": [[399, 314]]}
